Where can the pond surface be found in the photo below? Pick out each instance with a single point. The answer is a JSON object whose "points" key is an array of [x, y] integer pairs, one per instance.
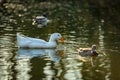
{"points": [[79, 28]]}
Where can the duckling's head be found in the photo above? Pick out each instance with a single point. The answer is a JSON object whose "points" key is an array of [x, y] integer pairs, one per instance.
{"points": [[56, 36], [94, 52], [94, 48], [45, 15]]}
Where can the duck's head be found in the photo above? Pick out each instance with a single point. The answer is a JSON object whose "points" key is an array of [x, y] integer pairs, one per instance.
{"points": [[94, 47], [94, 52], [57, 37]]}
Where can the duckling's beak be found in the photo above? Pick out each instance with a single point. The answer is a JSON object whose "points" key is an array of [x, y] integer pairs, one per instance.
{"points": [[61, 40]]}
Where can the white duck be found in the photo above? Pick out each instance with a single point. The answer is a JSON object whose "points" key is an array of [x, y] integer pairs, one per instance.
{"points": [[28, 42]]}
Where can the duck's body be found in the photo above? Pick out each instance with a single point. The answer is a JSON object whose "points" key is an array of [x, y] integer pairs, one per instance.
{"points": [[88, 51], [28, 42]]}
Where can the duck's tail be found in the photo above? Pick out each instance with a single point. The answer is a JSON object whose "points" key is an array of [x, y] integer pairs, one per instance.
{"points": [[18, 36]]}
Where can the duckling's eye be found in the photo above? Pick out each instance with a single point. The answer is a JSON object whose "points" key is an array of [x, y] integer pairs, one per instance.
{"points": [[58, 35]]}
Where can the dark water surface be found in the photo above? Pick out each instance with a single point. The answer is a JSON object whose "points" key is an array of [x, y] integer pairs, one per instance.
{"points": [[80, 28]]}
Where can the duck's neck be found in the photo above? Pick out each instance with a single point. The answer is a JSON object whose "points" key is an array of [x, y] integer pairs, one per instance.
{"points": [[52, 40]]}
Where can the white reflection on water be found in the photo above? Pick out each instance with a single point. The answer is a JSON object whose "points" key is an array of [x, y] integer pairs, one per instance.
{"points": [[6, 56], [23, 63], [101, 38], [23, 67], [30, 53], [105, 61], [54, 54], [48, 71], [5, 66], [73, 69]]}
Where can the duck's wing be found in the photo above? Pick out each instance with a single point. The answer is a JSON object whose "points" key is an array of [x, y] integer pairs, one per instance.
{"points": [[36, 40], [24, 41], [29, 39], [83, 49]]}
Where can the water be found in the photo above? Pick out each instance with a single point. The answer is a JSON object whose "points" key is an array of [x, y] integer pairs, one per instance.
{"points": [[79, 28]]}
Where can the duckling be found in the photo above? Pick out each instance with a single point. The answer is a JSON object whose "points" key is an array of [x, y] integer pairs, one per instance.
{"points": [[88, 51], [41, 21]]}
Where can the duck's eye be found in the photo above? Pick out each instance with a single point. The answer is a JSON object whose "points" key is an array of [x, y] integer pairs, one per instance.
{"points": [[58, 35]]}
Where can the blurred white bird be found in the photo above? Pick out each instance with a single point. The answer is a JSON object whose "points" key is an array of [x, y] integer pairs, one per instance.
{"points": [[28, 42]]}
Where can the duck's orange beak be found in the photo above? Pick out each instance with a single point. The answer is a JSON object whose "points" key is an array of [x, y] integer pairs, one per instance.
{"points": [[62, 40]]}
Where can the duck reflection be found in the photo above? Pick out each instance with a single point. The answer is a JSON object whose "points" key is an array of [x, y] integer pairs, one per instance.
{"points": [[87, 59], [54, 54], [26, 56]]}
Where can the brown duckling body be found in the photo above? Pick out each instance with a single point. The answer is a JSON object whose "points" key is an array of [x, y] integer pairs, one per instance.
{"points": [[88, 51]]}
